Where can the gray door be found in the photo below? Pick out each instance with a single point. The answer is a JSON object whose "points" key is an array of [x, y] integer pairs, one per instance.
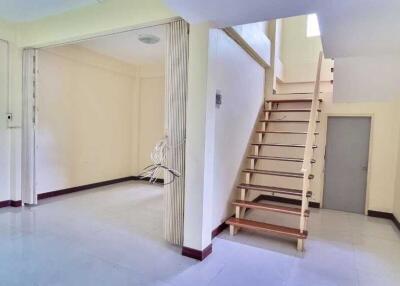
{"points": [[346, 163]]}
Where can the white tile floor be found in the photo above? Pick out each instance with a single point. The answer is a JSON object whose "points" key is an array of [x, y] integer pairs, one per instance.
{"points": [[113, 236]]}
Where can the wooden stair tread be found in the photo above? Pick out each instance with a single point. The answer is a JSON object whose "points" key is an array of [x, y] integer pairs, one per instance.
{"points": [[276, 100], [284, 132], [266, 227], [273, 158], [271, 189], [275, 173], [289, 110], [270, 207], [282, 145], [287, 121]]}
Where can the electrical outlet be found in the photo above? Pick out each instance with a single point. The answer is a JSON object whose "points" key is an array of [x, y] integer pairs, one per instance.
{"points": [[218, 98]]}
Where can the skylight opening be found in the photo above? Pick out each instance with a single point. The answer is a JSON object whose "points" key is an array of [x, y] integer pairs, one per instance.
{"points": [[313, 26]]}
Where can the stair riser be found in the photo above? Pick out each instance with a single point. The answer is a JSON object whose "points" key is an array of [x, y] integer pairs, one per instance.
{"points": [[277, 181], [292, 105], [283, 138], [279, 166], [289, 115], [299, 127], [281, 151]]}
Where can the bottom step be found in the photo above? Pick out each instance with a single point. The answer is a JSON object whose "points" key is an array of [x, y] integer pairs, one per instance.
{"points": [[266, 227]]}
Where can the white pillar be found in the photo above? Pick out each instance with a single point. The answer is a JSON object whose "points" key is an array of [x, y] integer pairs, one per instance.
{"points": [[199, 145]]}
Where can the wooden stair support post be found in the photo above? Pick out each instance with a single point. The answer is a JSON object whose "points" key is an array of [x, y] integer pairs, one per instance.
{"points": [[308, 154]]}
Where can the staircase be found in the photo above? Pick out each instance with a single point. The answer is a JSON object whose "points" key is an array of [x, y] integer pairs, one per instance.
{"points": [[281, 168]]}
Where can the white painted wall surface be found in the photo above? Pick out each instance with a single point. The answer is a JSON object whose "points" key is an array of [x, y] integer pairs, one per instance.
{"points": [[360, 79], [91, 125], [241, 82], [299, 54], [255, 36], [4, 131]]}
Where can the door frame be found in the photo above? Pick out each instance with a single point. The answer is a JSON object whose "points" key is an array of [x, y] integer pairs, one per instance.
{"points": [[371, 116], [28, 164]]}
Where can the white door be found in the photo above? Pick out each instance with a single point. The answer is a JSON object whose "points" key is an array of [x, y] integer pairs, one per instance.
{"points": [[28, 195]]}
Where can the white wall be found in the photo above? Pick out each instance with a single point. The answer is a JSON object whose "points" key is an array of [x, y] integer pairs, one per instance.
{"points": [[299, 54], [91, 125], [241, 82], [255, 36], [366, 78], [4, 131]]}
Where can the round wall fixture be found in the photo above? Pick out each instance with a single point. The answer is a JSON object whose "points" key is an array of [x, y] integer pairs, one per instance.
{"points": [[148, 39]]}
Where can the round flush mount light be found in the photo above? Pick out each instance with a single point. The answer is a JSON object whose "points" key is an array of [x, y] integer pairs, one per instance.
{"points": [[148, 39]]}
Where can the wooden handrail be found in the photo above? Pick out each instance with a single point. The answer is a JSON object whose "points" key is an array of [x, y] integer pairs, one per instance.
{"points": [[308, 152]]}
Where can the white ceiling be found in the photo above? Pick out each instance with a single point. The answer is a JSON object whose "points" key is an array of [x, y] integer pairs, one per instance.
{"points": [[348, 27], [126, 46], [224, 13], [360, 27], [29, 10]]}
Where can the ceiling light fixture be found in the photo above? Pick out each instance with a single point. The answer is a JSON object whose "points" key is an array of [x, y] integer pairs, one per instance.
{"points": [[148, 39]]}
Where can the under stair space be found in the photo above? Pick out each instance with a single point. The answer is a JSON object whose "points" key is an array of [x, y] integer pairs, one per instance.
{"points": [[279, 163]]}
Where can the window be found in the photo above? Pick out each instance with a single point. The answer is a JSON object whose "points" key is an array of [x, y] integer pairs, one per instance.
{"points": [[312, 26]]}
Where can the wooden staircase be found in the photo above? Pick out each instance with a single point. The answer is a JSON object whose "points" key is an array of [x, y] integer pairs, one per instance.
{"points": [[289, 129]]}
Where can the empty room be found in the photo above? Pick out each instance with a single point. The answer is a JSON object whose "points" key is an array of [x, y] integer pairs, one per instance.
{"points": [[199, 142]]}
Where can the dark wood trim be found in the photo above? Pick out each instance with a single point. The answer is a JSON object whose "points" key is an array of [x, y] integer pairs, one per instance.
{"points": [[4, 204], [380, 214], [285, 200], [385, 215], [219, 229], [197, 254], [396, 222], [15, 204], [10, 203], [137, 178], [83, 188]]}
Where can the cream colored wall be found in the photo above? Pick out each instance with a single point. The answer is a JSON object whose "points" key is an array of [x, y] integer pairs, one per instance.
{"points": [[83, 130], [299, 54], [91, 123], [396, 199], [383, 149], [151, 90]]}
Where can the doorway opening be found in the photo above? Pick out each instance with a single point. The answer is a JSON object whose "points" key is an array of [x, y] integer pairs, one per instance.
{"points": [[95, 109]]}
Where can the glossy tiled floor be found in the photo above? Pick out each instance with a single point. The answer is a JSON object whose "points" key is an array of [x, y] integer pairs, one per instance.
{"points": [[112, 236]]}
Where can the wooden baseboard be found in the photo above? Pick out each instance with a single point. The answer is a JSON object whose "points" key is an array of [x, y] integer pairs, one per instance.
{"points": [[82, 188], [197, 254], [385, 215], [380, 214], [158, 181], [396, 222], [51, 194], [219, 229], [285, 200], [10, 203]]}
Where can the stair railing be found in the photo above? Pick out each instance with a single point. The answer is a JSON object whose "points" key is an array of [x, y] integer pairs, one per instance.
{"points": [[308, 153]]}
